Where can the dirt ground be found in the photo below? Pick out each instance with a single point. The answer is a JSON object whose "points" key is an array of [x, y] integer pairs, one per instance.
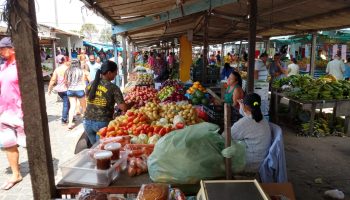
{"points": [[315, 165]]}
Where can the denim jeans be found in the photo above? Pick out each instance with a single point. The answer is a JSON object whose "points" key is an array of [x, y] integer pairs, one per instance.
{"points": [[92, 127], [65, 108]]}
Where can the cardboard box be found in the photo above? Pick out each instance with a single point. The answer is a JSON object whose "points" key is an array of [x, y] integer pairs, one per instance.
{"points": [[231, 189]]}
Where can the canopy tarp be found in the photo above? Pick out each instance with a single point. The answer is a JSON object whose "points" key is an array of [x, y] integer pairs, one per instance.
{"points": [[99, 46], [326, 37]]}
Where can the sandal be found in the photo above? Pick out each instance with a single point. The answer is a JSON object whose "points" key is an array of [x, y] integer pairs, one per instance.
{"points": [[71, 126], [9, 184]]}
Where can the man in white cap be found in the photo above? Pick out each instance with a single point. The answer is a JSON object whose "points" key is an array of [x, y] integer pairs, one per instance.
{"points": [[11, 116], [336, 68]]}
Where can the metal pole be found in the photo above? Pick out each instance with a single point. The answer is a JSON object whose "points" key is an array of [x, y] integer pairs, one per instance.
{"points": [[205, 49], [313, 54], [56, 15], [227, 129], [252, 7], [54, 54], [125, 76]]}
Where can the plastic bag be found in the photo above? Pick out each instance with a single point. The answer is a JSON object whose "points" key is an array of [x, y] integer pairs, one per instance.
{"points": [[237, 152], [188, 155]]}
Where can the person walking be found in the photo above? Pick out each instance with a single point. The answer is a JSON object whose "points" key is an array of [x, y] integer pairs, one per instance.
{"points": [[336, 68], [93, 66], [11, 115], [57, 83], [75, 90]]}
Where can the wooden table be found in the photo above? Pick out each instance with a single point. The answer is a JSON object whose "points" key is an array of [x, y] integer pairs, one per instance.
{"points": [[340, 108], [131, 185]]}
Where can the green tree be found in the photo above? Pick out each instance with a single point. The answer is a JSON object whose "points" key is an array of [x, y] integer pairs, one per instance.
{"points": [[88, 30], [105, 35]]}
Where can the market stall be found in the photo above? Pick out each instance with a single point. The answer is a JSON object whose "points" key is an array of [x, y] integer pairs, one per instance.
{"points": [[312, 95]]}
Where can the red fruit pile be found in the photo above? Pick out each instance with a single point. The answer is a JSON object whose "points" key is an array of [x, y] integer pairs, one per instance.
{"points": [[140, 95]]}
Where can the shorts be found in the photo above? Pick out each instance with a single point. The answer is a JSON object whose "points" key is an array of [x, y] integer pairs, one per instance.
{"points": [[76, 93], [11, 136]]}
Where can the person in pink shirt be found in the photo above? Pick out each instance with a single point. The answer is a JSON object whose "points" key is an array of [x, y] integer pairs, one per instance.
{"points": [[151, 60], [11, 115]]}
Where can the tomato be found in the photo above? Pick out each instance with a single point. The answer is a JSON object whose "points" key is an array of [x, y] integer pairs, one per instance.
{"points": [[168, 129], [180, 125], [162, 131], [136, 120], [130, 119], [103, 132], [157, 129], [136, 132], [143, 119], [129, 114], [150, 129], [150, 134], [110, 128]]}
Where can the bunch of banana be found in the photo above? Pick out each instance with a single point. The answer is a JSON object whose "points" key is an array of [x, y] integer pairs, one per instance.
{"points": [[328, 78], [346, 88], [320, 129], [326, 92], [337, 91]]}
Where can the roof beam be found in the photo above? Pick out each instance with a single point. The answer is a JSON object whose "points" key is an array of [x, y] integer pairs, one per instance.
{"points": [[188, 9], [282, 7], [90, 4]]}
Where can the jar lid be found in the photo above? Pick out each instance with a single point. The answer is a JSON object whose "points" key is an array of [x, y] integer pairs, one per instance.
{"points": [[103, 155], [113, 146]]}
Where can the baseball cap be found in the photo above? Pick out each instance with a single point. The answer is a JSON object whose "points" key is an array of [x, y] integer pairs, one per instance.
{"points": [[6, 42]]}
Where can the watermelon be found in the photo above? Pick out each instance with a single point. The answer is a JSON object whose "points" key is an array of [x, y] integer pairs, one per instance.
{"points": [[199, 94], [195, 100], [205, 101]]}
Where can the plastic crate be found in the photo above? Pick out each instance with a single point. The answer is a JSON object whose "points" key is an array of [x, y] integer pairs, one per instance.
{"points": [[81, 169]]}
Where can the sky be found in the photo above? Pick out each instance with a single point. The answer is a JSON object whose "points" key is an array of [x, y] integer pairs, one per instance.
{"points": [[71, 14]]}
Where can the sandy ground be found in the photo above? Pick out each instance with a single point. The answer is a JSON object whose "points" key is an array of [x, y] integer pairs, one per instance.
{"points": [[325, 159]]}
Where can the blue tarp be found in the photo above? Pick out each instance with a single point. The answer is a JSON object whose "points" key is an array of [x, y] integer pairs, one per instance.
{"points": [[98, 46]]}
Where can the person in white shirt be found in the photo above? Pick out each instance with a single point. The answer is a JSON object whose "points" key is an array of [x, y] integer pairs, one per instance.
{"points": [[336, 68], [93, 67], [293, 68], [253, 130], [260, 69]]}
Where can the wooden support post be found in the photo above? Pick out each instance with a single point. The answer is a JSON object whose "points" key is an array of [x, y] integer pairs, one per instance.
{"points": [[54, 54], [227, 129], [240, 48], [347, 125], [69, 47], [26, 43], [313, 55], [253, 10], [185, 58], [222, 55], [312, 118], [125, 76], [205, 49]]}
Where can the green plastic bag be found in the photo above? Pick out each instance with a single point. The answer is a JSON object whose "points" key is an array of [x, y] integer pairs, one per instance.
{"points": [[188, 155], [237, 153]]}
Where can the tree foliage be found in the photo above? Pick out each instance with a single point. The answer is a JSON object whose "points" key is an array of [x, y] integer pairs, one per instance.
{"points": [[88, 30], [105, 35]]}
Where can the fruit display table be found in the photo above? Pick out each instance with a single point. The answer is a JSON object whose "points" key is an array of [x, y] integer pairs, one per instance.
{"points": [[340, 108]]}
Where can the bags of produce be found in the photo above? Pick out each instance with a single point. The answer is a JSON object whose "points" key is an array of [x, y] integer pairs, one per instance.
{"points": [[237, 152], [188, 155]]}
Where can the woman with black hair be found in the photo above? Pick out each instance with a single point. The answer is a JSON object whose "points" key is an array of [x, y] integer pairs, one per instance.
{"points": [[254, 130], [226, 71], [234, 91], [102, 96]]}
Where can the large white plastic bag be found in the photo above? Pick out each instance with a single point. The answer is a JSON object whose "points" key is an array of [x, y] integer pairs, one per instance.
{"points": [[188, 155]]}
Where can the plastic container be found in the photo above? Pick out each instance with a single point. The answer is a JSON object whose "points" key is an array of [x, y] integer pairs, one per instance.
{"points": [[81, 169], [103, 159], [115, 149]]}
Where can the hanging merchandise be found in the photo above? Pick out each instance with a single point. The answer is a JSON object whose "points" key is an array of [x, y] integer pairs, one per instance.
{"points": [[335, 50], [307, 51], [343, 51]]}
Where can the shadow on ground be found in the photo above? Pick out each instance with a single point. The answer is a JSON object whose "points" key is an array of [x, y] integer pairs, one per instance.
{"points": [[24, 168]]}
